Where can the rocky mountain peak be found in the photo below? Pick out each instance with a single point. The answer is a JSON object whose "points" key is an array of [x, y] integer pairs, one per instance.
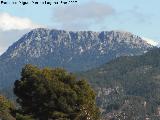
{"points": [[44, 41], [72, 50]]}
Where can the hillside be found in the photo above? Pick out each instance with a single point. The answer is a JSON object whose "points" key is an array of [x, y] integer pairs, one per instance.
{"points": [[128, 87]]}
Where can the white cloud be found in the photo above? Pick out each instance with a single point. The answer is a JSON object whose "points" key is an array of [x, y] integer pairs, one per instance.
{"points": [[12, 28], [84, 16], [150, 41], [10, 22]]}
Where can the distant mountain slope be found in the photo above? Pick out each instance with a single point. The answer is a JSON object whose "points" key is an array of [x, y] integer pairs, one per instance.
{"points": [[75, 51], [128, 86]]}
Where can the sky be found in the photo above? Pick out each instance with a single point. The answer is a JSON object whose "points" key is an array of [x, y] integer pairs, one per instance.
{"points": [[140, 17]]}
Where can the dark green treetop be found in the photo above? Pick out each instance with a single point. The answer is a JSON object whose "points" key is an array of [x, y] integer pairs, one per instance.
{"points": [[55, 94]]}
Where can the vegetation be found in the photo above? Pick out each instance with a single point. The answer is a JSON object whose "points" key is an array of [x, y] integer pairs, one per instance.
{"points": [[128, 77], [23, 117], [127, 89], [54, 94], [6, 109]]}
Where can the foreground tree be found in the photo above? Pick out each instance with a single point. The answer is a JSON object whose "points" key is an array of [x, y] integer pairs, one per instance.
{"points": [[55, 94], [6, 108]]}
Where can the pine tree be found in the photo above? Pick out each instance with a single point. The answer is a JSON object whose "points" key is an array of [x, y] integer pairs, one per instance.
{"points": [[55, 94]]}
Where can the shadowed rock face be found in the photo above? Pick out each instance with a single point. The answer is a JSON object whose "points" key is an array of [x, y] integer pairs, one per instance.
{"points": [[75, 51]]}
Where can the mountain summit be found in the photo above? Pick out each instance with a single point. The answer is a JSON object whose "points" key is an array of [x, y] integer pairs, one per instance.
{"points": [[75, 51]]}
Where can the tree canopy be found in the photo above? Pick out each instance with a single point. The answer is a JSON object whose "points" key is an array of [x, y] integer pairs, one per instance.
{"points": [[55, 94]]}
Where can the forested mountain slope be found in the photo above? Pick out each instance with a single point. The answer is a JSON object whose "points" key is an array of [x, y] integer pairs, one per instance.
{"points": [[128, 87]]}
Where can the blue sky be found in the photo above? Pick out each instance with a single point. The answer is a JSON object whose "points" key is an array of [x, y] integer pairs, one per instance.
{"points": [[140, 17]]}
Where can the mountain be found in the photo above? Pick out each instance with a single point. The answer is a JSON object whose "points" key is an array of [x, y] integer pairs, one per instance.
{"points": [[75, 51], [150, 41], [128, 88]]}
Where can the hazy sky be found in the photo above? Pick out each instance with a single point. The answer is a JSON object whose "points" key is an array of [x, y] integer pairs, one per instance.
{"points": [[140, 17]]}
